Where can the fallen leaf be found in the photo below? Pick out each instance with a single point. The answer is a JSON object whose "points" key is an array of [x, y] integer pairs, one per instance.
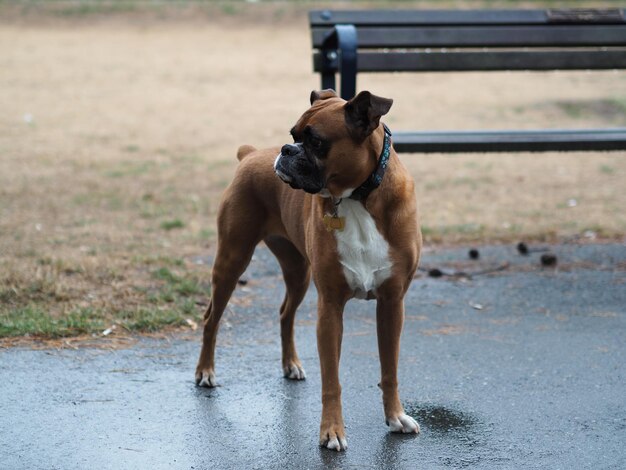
{"points": [[109, 330], [191, 323]]}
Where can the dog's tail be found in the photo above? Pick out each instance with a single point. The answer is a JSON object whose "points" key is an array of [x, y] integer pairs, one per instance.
{"points": [[244, 151]]}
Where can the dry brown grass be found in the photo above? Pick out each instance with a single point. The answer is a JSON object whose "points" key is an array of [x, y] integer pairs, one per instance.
{"points": [[118, 136]]}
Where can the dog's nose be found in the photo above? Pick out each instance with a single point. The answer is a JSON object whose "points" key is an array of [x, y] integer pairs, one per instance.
{"points": [[289, 150]]}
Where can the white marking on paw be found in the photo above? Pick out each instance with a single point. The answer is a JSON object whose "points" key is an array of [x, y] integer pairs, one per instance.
{"points": [[207, 380], [404, 424], [337, 444], [294, 372]]}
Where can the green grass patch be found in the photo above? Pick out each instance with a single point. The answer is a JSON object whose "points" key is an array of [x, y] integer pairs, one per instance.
{"points": [[164, 274], [37, 289], [34, 320], [166, 261], [91, 7], [607, 169], [207, 234], [611, 109], [47, 306], [152, 319], [229, 9], [172, 224], [176, 285], [131, 148], [176, 289]]}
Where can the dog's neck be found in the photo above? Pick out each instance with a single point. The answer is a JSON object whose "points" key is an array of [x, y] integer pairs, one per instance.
{"points": [[376, 177]]}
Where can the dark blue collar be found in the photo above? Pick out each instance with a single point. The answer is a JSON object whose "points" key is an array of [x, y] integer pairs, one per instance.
{"points": [[374, 180]]}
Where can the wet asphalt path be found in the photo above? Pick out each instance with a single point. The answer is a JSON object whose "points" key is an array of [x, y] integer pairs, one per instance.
{"points": [[524, 368]]}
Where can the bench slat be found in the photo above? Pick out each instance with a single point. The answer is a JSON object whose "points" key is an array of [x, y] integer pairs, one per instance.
{"points": [[479, 40], [510, 141], [494, 36], [486, 61], [463, 17]]}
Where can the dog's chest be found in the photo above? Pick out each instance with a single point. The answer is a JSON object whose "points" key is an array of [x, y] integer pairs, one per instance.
{"points": [[363, 252]]}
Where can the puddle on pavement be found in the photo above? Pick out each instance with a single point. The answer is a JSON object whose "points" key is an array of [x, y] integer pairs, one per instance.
{"points": [[442, 420]]}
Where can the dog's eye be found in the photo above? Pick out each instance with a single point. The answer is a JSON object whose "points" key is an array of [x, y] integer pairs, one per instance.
{"points": [[315, 143]]}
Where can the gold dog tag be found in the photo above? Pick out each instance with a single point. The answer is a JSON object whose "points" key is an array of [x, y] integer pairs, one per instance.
{"points": [[334, 223]]}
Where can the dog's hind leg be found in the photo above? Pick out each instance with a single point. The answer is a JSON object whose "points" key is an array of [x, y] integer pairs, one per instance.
{"points": [[297, 275], [235, 248]]}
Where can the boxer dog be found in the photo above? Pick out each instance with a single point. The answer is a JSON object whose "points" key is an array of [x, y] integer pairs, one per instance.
{"points": [[336, 205]]}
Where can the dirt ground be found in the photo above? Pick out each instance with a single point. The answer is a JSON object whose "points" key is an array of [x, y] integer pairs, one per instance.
{"points": [[117, 138]]}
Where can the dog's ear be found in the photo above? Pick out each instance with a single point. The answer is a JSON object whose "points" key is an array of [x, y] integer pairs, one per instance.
{"points": [[322, 95], [363, 113]]}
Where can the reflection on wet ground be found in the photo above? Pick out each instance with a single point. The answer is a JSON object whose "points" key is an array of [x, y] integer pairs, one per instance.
{"points": [[439, 419]]}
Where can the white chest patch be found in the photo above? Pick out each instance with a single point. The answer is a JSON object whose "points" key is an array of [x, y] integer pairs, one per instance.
{"points": [[363, 252]]}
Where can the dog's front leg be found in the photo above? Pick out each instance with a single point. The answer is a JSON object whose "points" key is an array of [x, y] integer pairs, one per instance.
{"points": [[389, 320], [329, 333]]}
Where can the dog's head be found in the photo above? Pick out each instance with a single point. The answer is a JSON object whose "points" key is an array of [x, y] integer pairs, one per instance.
{"points": [[332, 152]]}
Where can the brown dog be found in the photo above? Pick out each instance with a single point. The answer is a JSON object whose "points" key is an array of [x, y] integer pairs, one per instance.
{"points": [[354, 228]]}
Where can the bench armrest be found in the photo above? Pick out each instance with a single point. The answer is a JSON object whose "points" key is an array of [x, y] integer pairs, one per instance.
{"points": [[339, 54]]}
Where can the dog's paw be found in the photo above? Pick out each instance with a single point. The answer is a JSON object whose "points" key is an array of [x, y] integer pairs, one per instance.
{"points": [[206, 378], [403, 423], [294, 372], [334, 438]]}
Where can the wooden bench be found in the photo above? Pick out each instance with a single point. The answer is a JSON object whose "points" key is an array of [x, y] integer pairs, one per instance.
{"points": [[348, 42]]}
